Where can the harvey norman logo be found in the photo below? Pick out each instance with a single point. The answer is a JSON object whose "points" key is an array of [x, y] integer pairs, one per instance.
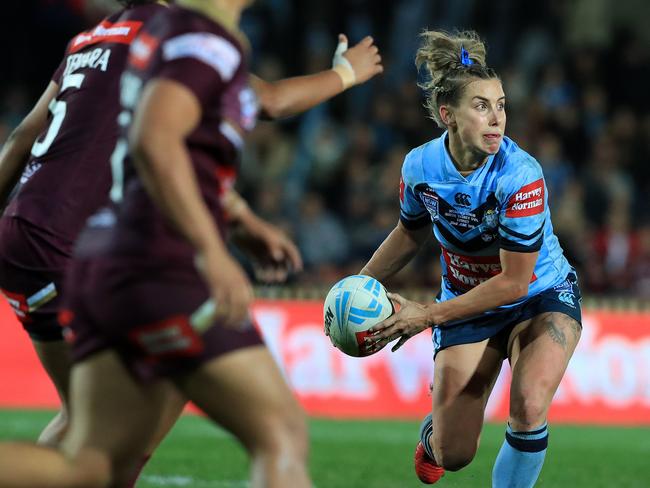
{"points": [[121, 32], [529, 200]]}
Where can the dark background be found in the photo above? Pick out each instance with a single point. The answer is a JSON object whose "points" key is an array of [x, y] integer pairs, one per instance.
{"points": [[577, 78]]}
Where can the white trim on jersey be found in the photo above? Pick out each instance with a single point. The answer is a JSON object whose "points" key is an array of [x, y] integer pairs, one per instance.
{"points": [[215, 51], [231, 134]]}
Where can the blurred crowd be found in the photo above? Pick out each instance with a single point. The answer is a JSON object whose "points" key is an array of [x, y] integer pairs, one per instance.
{"points": [[576, 75]]}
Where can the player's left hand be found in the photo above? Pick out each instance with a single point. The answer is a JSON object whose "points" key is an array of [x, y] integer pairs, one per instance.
{"points": [[274, 256], [411, 319], [364, 58], [357, 64]]}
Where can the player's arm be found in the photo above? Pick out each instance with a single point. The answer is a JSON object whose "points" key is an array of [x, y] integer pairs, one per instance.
{"points": [[15, 151], [167, 113], [397, 250], [291, 96], [508, 286], [273, 254], [412, 318]]}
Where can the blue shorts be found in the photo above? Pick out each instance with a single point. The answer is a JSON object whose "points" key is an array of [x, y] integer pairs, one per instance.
{"points": [[564, 298]]}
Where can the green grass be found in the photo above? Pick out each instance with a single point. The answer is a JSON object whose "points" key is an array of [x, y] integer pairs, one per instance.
{"points": [[379, 455]]}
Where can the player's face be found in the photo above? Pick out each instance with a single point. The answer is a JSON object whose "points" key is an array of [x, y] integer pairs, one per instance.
{"points": [[481, 116]]}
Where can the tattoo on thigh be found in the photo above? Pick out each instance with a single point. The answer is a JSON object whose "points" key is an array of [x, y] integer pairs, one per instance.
{"points": [[555, 332], [576, 329]]}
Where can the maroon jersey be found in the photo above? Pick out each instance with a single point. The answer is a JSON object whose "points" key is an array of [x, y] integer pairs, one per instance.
{"points": [[68, 174], [197, 52]]}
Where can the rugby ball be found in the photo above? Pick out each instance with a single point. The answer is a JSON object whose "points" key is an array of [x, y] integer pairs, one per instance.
{"points": [[352, 306]]}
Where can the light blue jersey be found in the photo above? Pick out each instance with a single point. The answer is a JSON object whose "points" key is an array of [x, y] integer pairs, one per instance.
{"points": [[501, 205]]}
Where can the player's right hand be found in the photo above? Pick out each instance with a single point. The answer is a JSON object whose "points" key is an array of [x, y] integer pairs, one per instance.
{"points": [[230, 288], [364, 58]]}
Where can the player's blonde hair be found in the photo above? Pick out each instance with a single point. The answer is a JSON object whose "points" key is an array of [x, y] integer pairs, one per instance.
{"points": [[452, 61]]}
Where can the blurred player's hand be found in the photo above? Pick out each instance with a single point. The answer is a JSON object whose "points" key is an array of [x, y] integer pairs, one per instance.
{"points": [[411, 319], [357, 64], [229, 286], [273, 255]]}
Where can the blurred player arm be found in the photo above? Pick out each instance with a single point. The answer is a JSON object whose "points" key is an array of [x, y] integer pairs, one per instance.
{"points": [[291, 96], [396, 251], [273, 255], [168, 111], [15, 152]]}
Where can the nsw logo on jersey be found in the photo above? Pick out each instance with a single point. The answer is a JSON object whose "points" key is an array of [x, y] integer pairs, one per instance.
{"points": [[430, 201], [529, 200]]}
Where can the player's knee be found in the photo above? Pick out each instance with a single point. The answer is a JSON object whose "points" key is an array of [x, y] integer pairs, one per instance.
{"points": [[294, 428], [287, 432], [55, 431], [454, 457], [528, 411]]}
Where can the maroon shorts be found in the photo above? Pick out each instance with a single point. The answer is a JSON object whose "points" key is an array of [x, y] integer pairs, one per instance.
{"points": [[32, 265], [142, 312]]}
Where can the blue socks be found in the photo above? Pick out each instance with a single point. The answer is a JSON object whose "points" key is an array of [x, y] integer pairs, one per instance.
{"points": [[426, 430], [520, 459]]}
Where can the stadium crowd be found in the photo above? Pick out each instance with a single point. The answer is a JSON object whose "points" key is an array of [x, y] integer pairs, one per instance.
{"points": [[576, 74]]}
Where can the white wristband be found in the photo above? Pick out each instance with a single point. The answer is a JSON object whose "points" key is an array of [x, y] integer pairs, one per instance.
{"points": [[342, 67]]}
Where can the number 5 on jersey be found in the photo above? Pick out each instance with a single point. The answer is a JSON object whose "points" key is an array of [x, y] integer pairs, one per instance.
{"points": [[58, 109]]}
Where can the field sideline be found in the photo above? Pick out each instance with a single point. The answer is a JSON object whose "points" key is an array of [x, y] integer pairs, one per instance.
{"points": [[359, 454]]}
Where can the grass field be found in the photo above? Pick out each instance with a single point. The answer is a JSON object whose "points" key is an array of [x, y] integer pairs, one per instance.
{"points": [[379, 454]]}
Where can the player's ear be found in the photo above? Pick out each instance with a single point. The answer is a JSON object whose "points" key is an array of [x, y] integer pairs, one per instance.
{"points": [[447, 115]]}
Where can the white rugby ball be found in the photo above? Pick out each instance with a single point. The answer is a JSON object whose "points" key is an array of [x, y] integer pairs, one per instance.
{"points": [[352, 306]]}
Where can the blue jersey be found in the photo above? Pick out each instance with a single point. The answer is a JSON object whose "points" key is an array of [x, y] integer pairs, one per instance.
{"points": [[501, 205]]}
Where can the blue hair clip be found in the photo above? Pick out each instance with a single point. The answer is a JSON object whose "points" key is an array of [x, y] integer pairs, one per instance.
{"points": [[464, 57]]}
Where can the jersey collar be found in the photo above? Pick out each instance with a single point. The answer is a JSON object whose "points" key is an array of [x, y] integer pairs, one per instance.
{"points": [[215, 14]]}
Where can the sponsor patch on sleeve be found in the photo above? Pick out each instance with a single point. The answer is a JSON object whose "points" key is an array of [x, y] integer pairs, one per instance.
{"points": [[142, 50], [215, 51], [401, 190], [529, 200]]}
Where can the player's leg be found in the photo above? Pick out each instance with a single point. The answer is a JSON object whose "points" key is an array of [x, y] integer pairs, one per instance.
{"points": [[540, 349], [464, 376], [114, 413], [114, 420], [31, 274], [172, 409], [245, 392], [46, 335], [55, 357], [24, 465]]}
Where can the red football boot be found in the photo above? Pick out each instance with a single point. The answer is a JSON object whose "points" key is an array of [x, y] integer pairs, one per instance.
{"points": [[425, 467]]}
